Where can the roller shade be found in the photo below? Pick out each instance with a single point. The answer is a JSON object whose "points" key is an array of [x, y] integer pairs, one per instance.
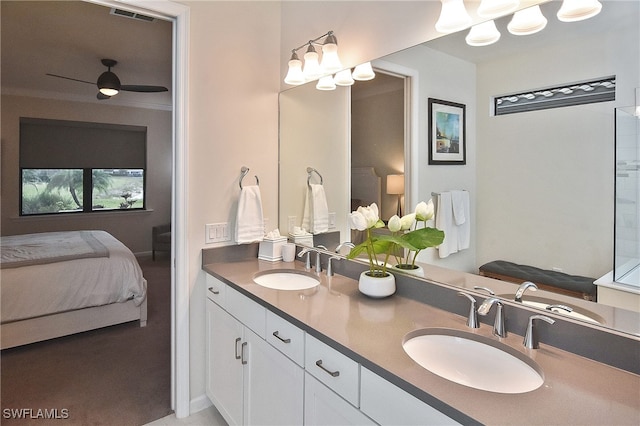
{"points": [[58, 144]]}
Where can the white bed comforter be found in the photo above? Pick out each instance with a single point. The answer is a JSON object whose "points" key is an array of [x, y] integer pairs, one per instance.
{"points": [[32, 291]]}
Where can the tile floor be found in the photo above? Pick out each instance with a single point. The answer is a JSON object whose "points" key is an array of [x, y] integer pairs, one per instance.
{"points": [[209, 416]]}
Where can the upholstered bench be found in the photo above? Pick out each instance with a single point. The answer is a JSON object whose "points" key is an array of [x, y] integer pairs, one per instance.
{"points": [[558, 282]]}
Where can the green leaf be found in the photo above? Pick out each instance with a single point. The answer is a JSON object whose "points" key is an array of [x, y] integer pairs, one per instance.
{"points": [[423, 238]]}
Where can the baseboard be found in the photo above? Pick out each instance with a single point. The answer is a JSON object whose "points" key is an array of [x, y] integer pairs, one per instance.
{"points": [[199, 403]]}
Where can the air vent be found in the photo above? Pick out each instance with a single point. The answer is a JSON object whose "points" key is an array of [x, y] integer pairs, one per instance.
{"points": [[132, 15]]}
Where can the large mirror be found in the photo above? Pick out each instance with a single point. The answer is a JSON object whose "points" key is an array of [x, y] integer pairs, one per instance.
{"points": [[541, 183]]}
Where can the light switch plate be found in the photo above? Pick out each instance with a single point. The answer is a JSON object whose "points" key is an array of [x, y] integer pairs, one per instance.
{"points": [[216, 233], [332, 220]]}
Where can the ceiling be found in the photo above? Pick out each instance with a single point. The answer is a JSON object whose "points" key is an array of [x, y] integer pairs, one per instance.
{"points": [[70, 38]]}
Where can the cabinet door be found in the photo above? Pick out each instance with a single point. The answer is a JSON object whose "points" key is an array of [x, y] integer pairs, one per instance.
{"points": [[224, 376], [273, 385], [323, 407]]}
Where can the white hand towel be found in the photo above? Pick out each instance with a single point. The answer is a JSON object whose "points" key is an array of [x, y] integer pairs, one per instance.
{"points": [[444, 222], [315, 217], [458, 200], [249, 220]]}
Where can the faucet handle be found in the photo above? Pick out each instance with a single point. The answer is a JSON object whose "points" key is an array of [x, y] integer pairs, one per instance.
{"points": [[307, 251], [531, 335], [472, 320], [499, 328], [330, 265]]}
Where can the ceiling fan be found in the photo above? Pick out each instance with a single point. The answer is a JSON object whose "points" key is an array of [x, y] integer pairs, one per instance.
{"points": [[109, 84]]}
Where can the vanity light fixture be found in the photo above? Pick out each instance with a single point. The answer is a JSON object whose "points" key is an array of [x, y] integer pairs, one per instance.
{"points": [[527, 21], [577, 10], [364, 72], [453, 17], [314, 69], [483, 34], [496, 8]]}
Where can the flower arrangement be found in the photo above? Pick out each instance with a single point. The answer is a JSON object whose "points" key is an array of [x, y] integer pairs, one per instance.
{"points": [[405, 234]]}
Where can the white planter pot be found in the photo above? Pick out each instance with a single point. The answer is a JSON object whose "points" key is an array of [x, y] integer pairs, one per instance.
{"points": [[418, 271], [377, 286]]}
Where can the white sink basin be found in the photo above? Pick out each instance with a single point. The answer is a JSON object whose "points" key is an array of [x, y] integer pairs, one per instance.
{"points": [[472, 360], [577, 313], [286, 279]]}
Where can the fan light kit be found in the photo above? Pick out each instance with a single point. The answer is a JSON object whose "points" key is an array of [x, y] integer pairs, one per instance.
{"points": [[109, 84]]}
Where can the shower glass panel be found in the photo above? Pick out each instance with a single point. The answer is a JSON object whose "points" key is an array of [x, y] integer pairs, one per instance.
{"points": [[627, 204]]}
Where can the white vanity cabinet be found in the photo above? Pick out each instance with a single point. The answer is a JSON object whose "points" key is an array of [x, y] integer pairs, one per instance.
{"points": [[247, 379], [323, 407], [386, 403]]}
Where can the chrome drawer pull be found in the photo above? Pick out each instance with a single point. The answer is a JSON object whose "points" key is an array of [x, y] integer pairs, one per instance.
{"points": [[214, 291], [275, 334], [244, 344], [332, 373], [237, 340]]}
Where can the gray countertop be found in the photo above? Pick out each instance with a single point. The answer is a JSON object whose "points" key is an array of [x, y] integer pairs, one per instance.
{"points": [[576, 390]]}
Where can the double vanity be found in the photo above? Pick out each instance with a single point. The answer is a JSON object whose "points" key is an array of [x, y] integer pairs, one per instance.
{"points": [[289, 345]]}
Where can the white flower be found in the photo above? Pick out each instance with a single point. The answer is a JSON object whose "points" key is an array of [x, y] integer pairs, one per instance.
{"points": [[395, 224], [424, 211], [407, 221], [364, 218]]}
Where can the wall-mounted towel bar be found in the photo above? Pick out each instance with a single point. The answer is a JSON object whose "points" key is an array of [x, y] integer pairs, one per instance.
{"points": [[435, 194], [243, 172], [311, 170]]}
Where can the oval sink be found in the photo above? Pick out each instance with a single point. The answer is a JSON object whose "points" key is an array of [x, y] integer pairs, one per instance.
{"points": [[286, 279], [474, 361], [542, 303]]}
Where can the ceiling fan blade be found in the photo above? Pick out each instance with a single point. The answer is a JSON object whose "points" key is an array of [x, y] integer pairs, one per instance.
{"points": [[144, 89], [101, 96], [72, 79]]}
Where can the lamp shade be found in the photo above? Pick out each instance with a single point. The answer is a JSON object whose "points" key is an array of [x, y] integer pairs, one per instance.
{"points": [[363, 72], [453, 17], [108, 83], [577, 10], [330, 60], [495, 8], [395, 184], [483, 34], [527, 21], [326, 83], [294, 75], [343, 78], [311, 68]]}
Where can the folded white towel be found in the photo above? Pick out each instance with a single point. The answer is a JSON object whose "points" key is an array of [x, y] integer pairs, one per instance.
{"points": [[315, 217], [458, 203], [249, 220]]}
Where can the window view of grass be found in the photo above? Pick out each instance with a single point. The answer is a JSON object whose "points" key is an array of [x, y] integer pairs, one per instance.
{"points": [[59, 191]]}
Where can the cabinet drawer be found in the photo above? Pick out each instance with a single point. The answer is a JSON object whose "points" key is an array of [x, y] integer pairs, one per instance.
{"points": [[337, 371], [285, 337], [215, 290], [248, 312], [386, 403]]}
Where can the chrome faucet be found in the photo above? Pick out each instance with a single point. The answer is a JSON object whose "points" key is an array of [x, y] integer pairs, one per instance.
{"points": [[531, 335], [472, 320], [560, 307], [307, 251], [318, 259], [345, 244], [499, 323], [330, 265], [523, 287]]}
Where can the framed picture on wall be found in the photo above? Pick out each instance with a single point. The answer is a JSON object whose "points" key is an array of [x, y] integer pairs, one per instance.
{"points": [[447, 135]]}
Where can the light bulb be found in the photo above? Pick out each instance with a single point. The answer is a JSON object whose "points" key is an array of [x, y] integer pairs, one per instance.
{"points": [[343, 78], [330, 60], [326, 83], [577, 10], [453, 17], [483, 34], [527, 21], [294, 75], [363, 72], [311, 68]]}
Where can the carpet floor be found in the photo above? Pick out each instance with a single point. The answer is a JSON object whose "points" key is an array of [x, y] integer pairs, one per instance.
{"points": [[119, 375]]}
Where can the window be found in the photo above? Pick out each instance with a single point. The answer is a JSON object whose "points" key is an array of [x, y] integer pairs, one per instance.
{"points": [[586, 92], [81, 167]]}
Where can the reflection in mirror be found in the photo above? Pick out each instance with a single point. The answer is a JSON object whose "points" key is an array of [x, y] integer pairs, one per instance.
{"points": [[540, 183]]}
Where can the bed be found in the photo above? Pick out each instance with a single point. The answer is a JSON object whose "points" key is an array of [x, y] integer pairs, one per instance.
{"points": [[53, 284]]}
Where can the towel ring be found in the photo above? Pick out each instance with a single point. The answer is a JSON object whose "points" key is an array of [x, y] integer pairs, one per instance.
{"points": [[243, 172], [312, 170]]}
